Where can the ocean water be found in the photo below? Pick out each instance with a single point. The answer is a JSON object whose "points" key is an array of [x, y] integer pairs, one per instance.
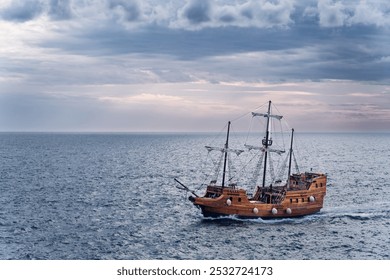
{"points": [[112, 196]]}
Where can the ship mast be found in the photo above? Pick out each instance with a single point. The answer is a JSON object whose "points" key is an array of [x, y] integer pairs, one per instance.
{"points": [[226, 154], [289, 162], [266, 142]]}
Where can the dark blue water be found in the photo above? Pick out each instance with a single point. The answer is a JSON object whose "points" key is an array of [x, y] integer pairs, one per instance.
{"points": [[112, 196]]}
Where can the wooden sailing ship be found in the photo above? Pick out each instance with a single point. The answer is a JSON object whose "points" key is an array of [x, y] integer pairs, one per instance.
{"points": [[300, 194]]}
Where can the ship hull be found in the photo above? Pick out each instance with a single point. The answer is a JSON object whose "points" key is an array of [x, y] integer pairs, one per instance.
{"points": [[224, 202], [263, 217], [209, 212]]}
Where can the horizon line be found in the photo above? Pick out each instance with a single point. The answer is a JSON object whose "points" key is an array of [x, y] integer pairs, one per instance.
{"points": [[171, 132]]}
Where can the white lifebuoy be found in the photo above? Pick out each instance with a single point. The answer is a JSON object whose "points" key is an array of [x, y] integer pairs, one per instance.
{"points": [[311, 198], [288, 211], [228, 202], [274, 211], [255, 210]]}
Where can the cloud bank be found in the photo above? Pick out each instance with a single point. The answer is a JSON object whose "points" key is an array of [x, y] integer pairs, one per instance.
{"points": [[198, 14]]}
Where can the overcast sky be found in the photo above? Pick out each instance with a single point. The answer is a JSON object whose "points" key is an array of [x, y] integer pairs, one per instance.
{"points": [[174, 65]]}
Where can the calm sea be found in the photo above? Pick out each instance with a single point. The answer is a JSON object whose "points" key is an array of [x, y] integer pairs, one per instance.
{"points": [[112, 196]]}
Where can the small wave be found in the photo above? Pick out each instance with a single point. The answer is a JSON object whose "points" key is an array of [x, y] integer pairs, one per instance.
{"points": [[362, 216]]}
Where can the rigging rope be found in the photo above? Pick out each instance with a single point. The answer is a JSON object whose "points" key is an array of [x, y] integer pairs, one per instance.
{"points": [[230, 167], [282, 169], [296, 163], [256, 173], [249, 131], [218, 167], [271, 167], [248, 112]]}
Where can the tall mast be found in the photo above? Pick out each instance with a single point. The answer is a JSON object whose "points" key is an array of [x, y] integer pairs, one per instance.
{"points": [[289, 162], [266, 142], [226, 152]]}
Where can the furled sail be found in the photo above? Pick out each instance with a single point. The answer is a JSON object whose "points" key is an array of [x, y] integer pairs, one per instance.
{"points": [[254, 114], [251, 147], [236, 151]]}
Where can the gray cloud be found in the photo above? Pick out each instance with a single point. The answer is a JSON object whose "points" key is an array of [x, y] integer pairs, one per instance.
{"points": [[128, 10], [197, 11], [197, 14], [22, 10], [347, 13], [303, 51], [60, 9], [268, 13], [331, 14], [371, 13]]}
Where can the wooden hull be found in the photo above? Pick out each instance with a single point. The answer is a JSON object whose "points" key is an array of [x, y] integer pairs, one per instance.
{"points": [[295, 202]]}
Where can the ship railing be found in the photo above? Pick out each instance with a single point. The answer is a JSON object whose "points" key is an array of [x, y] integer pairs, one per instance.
{"points": [[280, 196]]}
